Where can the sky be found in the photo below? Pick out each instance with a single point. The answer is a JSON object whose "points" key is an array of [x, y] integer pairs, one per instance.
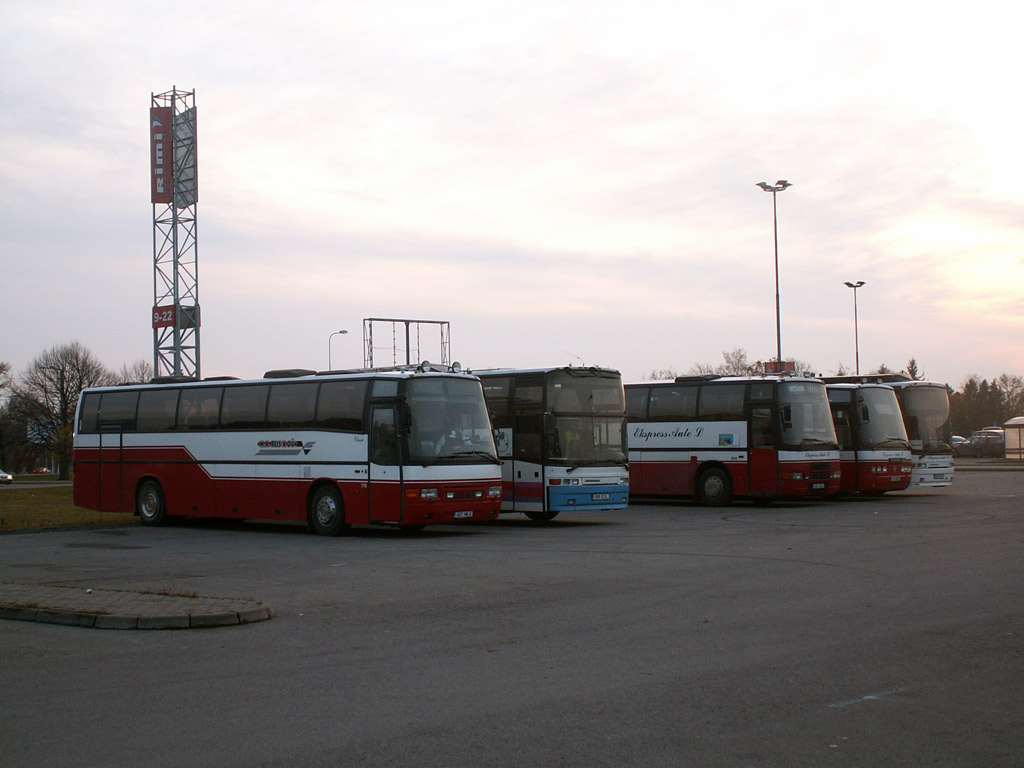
{"points": [[562, 182]]}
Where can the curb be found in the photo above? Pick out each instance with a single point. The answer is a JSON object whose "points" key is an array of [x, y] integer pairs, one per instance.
{"points": [[124, 609]]}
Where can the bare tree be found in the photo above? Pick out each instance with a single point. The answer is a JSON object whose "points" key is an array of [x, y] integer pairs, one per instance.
{"points": [[733, 363], [139, 372], [660, 374], [46, 396]]}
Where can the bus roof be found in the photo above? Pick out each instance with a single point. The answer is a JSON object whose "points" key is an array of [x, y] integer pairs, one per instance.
{"points": [[569, 369], [706, 377], [403, 372]]}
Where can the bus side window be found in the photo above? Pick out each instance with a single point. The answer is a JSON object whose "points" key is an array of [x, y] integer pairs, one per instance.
{"points": [[244, 407], [761, 428], [341, 404], [841, 420], [722, 401], [636, 402], [90, 413], [384, 437], [118, 409], [199, 407], [291, 406], [496, 391], [673, 403], [529, 431], [156, 409]]}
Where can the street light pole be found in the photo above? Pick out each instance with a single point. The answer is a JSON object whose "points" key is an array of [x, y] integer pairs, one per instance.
{"points": [[329, 348], [856, 329], [779, 186]]}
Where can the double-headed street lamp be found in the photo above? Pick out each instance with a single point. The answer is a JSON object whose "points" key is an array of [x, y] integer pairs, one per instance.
{"points": [[329, 348], [856, 330], [779, 186]]}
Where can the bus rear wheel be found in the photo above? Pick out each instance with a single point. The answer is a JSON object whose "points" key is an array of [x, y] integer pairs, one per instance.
{"points": [[327, 512], [714, 489], [150, 504]]}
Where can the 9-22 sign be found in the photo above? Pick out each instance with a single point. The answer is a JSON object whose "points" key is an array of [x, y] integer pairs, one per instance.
{"points": [[165, 317]]}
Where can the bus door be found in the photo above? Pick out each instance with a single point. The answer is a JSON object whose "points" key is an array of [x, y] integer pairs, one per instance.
{"points": [[111, 469], [763, 465], [385, 491], [528, 445]]}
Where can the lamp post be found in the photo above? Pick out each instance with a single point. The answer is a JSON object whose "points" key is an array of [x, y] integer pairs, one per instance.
{"points": [[856, 330], [779, 186], [329, 348]]}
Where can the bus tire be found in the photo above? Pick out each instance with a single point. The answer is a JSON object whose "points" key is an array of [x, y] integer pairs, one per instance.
{"points": [[150, 505], [327, 512], [714, 488], [541, 517]]}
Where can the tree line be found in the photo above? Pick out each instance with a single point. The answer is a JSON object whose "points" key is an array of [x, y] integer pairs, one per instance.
{"points": [[37, 407]]}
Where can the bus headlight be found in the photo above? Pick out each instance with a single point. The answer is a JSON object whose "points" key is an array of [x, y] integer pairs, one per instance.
{"points": [[494, 492], [422, 493]]}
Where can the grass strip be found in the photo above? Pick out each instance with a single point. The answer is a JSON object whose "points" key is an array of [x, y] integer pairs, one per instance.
{"points": [[27, 509]]}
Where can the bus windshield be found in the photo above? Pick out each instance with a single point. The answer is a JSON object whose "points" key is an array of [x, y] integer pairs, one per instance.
{"points": [[448, 422], [576, 394], [587, 440], [926, 414], [806, 417], [589, 419], [880, 420]]}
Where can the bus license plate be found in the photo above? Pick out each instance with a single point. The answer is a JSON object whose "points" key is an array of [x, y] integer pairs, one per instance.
{"points": [[817, 486], [463, 514], [601, 497]]}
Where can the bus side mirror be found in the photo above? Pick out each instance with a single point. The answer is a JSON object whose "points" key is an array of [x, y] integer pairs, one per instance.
{"points": [[864, 416], [787, 417], [549, 424]]}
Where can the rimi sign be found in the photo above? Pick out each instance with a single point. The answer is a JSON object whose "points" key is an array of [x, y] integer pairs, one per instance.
{"points": [[161, 154]]}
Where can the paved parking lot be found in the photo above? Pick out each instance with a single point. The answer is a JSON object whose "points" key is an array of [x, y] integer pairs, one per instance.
{"points": [[879, 632]]}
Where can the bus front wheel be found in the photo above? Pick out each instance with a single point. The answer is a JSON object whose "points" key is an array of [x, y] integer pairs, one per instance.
{"points": [[714, 488], [327, 512], [150, 504]]}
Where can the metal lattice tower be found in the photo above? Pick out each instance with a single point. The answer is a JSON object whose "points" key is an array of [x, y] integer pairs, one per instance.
{"points": [[175, 195], [413, 347]]}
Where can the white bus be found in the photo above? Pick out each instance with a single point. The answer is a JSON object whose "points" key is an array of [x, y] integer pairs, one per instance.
{"points": [[926, 416], [404, 448], [561, 439]]}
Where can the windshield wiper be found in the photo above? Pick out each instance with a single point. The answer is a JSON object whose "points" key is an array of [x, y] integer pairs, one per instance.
{"points": [[816, 441], [462, 454], [889, 442]]}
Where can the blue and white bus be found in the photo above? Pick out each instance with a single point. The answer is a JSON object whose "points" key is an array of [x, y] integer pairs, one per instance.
{"points": [[561, 439]]}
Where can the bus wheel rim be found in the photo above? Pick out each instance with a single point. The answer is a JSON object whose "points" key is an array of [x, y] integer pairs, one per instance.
{"points": [[326, 511]]}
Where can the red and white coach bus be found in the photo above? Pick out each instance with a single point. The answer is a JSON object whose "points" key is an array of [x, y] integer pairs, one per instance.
{"points": [[873, 446], [404, 447], [926, 416], [714, 438]]}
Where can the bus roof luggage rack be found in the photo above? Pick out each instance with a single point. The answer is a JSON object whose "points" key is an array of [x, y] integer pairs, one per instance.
{"points": [[868, 378], [288, 373], [697, 378], [172, 379]]}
